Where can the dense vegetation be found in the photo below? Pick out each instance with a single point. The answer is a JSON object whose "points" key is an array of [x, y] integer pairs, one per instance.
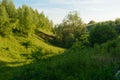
{"points": [[100, 63], [22, 21], [31, 48]]}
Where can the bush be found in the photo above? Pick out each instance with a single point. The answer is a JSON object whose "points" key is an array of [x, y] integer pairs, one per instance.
{"points": [[27, 43], [37, 55]]}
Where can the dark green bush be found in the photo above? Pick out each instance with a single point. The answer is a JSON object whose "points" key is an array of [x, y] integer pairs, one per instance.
{"points": [[27, 43], [37, 54]]}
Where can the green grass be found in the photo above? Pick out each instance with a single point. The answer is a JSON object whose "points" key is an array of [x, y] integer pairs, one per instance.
{"points": [[47, 47], [12, 48]]}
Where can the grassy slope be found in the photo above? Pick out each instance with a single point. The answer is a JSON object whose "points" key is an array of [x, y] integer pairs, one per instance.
{"points": [[11, 48], [13, 53]]}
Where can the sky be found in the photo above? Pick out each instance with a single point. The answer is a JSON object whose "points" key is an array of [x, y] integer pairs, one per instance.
{"points": [[56, 10]]}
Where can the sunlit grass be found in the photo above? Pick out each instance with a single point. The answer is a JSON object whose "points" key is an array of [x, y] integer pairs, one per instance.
{"points": [[11, 48], [46, 47]]}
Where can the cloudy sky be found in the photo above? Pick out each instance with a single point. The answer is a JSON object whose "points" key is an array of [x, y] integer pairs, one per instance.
{"points": [[56, 10]]}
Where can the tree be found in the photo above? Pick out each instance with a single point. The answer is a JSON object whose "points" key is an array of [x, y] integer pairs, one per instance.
{"points": [[102, 32], [4, 3], [11, 10], [13, 15], [90, 25], [117, 27], [4, 21], [44, 23], [26, 25], [92, 22], [36, 18], [70, 29]]}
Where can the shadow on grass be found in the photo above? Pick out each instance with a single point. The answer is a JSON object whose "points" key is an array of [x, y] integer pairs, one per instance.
{"points": [[64, 67], [67, 66], [5, 71]]}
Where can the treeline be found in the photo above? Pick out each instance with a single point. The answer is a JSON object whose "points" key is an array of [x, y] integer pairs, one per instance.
{"points": [[74, 31], [22, 21], [102, 32]]}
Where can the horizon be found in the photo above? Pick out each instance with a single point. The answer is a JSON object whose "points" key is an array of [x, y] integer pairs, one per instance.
{"points": [[97, 10]]}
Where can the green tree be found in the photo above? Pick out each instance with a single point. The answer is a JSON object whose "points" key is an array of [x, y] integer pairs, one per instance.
{"points": [[70, 29], [4, 3], [4, 21], [36, 18], [12, 14], [44, 23], [117, 27], [90, 25], [92, 22], [102, 32], [11, 10], [26, 25]]}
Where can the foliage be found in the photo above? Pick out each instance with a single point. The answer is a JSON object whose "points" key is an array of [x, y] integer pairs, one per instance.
{"points": [[23, 21], [37, 54], [70, 29], [26, 56], [92, 22], [117, 27], [85, 64], [82, 43], [44, 23], [102, 32], [4, 22]]}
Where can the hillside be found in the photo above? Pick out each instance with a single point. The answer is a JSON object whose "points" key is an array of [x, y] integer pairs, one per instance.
{"points": [[17, 49]]}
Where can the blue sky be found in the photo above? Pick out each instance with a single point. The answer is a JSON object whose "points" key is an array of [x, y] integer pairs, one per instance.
{"points": [[56, 10]]}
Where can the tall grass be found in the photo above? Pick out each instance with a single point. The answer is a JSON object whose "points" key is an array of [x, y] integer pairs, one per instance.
{"points": [[98, 63]]}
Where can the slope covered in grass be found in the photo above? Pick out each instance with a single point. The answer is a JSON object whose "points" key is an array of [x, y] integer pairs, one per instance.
{"points": [[17, 51], [18, 48]]}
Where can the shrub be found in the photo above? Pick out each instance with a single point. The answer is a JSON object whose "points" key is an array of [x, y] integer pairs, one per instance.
{"points": [[37, 55], [27, 43]]}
